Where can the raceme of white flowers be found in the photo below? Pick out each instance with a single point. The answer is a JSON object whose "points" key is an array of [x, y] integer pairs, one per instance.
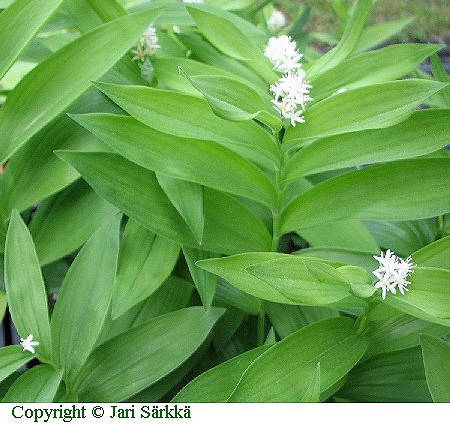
{"points": [[393, 273], [276, 21], [291, 91], [146, 45], [28, 344]]}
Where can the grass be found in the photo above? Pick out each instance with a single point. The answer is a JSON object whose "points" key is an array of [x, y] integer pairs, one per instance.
{"points": [[431, 23]]}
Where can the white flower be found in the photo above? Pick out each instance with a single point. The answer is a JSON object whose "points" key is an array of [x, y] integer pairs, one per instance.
{"points": [[291, 92], [276, 21], [28, 344], [282, 52], [193, 1], [146, 45], [393, 273]]}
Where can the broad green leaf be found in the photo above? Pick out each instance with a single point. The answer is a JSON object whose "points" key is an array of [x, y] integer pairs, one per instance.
{"points": [[19, 23], [375, 106], [12, 358], [345, 256], [171, 112], [65, 221], [390, 377], [428, 297], [25, 288], [36, 162], [229, 226], [342, 234], [233, 100], [179, 157], [283, 373], [348, 41], [229, 39], [152, 351], [312, 394], [205, 282], [146, 260], [167, 72], [401, 332], [403, 237], [441, 74], [84, 299], [39, 384], [217, 384], [364, 194], [286, 319], [434, 254], [377, 66], [379, 33], [436, 358], [228, 295], [423, 132], [188, 200], [281, 278], [52, 86], [3, 305]]}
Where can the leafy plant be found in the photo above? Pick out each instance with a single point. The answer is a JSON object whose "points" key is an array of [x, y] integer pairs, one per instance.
{"points": [[201, 244]]}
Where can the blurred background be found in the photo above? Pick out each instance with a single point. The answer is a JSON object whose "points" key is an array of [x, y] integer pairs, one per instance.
{"points": [[431, 17]]}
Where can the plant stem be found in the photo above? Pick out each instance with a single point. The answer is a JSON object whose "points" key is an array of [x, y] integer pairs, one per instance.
{"points": [[261, 329]]}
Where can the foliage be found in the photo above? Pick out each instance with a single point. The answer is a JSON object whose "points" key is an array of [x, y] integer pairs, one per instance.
{"points": [[203, 246]]}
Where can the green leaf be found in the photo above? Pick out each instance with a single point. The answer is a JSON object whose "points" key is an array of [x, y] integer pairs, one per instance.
{"points": [[283, 373], [36, 162], [229, 226], [434, 254], [52, 86], [12, 358], [281, 278], [84, 299], [343, 234], [171, 112], [378, 34], [217, 384], [188, 200], [25, 288], [390, 377], [234, 100], [19, 23], [401, 332], [428, 297], [39, 384], [373, 67], [348, 41], [436, 357], [223, 34], [3, 305], [286, 319], [65, 221], [312, 394], [344, 256], [146, 261], [374, 106], [364, 194], [205, 282], [180, 157], [424, 132], [152, 350]]}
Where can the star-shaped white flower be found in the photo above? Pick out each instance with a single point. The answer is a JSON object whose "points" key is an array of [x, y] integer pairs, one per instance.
{"points": [[393, 273], [282, 52], [28, 344]]}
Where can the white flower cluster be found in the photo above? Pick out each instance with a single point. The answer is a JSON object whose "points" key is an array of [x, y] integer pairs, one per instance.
{"points": [[392, 273], [146, 45], [193, 1], [291, 91], [276, 21], [28, 344]]}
